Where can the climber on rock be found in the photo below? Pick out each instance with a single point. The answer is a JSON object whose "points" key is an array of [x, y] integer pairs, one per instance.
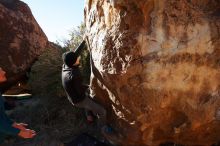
{"points": [[77, 92], [73, 83], [7, 126]]}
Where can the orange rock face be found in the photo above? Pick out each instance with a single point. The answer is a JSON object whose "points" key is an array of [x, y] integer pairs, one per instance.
{"points": [[156, 68], [21, 38]]}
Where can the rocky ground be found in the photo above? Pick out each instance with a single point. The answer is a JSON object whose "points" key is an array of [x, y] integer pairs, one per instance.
{"points": [[55, 120]]}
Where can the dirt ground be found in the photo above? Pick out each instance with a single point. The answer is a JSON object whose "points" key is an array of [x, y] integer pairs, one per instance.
{"points": [[55, 120]]}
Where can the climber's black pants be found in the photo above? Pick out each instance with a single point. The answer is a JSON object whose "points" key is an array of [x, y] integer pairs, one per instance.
{"points": [[89, 104]]}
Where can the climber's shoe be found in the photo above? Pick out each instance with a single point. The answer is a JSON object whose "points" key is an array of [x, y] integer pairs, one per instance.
{"points": [[111, 135], [90, 117]]}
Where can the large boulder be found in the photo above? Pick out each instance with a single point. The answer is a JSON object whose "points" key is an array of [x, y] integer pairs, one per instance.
{"points": [[21, 38], [156, 68]]}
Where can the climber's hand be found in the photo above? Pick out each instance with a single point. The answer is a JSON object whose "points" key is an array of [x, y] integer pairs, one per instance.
{"points": [[84, 37], [21, 126], [27, 133]]}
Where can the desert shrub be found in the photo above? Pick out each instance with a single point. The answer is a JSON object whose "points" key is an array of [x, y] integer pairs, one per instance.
{"points": [[45, 75]]}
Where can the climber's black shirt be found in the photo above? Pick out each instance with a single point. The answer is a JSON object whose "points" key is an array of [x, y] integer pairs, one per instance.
{"points": [[73, 84]]}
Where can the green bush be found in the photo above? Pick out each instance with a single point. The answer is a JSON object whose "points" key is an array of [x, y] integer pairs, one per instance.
{"points": [[45, 76]]}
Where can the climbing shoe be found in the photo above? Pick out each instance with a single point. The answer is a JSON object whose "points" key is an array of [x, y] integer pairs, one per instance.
{"points": [[90, 118]]}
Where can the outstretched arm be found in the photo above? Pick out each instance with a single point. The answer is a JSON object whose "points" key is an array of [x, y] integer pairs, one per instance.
{"points": [[80, 48], [6, 124], [8, 127]]}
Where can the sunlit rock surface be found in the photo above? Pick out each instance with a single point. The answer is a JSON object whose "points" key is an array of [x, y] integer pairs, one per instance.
{"points": [[156, 68], [21, 38]]}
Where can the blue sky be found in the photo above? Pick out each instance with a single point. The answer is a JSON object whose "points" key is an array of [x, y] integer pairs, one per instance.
{"points": [[57, 17]]}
